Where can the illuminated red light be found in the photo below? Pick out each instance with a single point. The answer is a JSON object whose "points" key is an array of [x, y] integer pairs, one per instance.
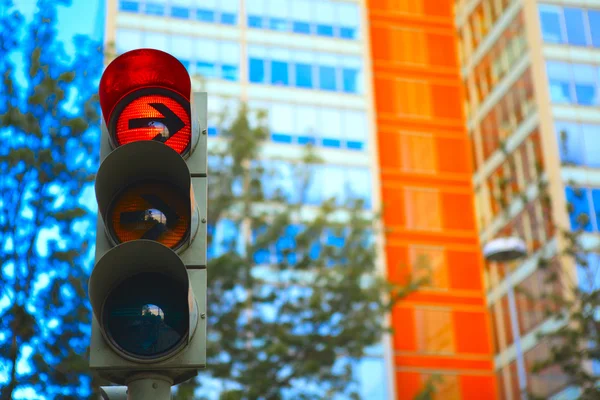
{"points": [[145, 95], [169, 123]]}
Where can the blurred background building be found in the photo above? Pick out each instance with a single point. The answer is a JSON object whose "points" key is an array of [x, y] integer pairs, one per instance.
{"points": [[375, 86], [530, 73], [427, 195], [305, 63], [378, 86]]}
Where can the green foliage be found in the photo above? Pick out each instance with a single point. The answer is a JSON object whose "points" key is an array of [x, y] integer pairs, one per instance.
{"points": [[291, 326], [45, 162], [572, 306]]}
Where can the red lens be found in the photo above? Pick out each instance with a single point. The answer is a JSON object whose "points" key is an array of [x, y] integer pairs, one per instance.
{"points": [[138, 69], [153, 117]]}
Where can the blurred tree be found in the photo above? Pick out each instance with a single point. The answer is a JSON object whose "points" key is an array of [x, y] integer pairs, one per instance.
{"points": [[294, 296], [571, 301], [569, 298], [47, 160]]}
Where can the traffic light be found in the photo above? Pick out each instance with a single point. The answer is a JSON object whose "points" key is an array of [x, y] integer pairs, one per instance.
{"points": [[148, 286]]}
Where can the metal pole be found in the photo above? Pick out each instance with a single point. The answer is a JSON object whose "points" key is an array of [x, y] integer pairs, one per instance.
{"points": [[514, 322], [149, 386], [113, 392]]}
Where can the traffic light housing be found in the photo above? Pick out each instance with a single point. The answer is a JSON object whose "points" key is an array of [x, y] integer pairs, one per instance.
{"points": [[148, 285]]}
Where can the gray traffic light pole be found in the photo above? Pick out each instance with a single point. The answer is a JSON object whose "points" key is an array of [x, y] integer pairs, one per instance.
{"points": [[143, 386], [149, 386]]}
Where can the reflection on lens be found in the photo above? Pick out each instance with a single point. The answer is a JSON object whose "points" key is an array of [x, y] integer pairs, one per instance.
{"points": [[146, 315]]}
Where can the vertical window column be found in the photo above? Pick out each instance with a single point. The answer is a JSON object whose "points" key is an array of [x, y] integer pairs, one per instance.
{"points": [[304, 71], [182, 49], [206, 11], [278, 13], [229, 11], [325, 19], [280, 67], [355, 129], [586, 87], [551, 18], [349, 20], [256, 11], [575, 26], [281, 122], [352, 76], [230, 61], [301, 16], [207, 58], [257, 64], [330, 119], [559, 75], [307, 127], [327, 72], [594, 24]]}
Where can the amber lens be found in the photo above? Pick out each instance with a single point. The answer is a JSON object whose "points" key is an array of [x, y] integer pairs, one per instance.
{"points": [[150, 210]]}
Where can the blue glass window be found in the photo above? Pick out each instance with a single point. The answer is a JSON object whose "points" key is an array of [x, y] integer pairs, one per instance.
{"points": [[155, 9], [205, 15], [230, 72], [132, 6], [349, 15], [585, 84], [304, 75], [206, 69], [596, 205], [359, 185], [348, 33], [301, 27], [354, 145], [559, 75], [254, 21], [228, 18], [304, 140], [325, 30], [579, 214], [327, 78], [550, 21], [279, 73], [569, 142], [575, 27], [594, 17], [281, 138], [350, 78], [257, 70], [591, 141], [180, 12], [328, 142], [278, 24], [186, 63]]}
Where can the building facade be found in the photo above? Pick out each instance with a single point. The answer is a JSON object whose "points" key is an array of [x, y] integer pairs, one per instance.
{"points": [[305, 62], [427, 196], [531, 75]]}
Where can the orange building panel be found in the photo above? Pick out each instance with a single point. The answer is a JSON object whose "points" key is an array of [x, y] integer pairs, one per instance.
{"points": [[428, 201]]}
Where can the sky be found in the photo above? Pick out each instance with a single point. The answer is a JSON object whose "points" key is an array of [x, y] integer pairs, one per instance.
{"points": [[82, 17]]}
